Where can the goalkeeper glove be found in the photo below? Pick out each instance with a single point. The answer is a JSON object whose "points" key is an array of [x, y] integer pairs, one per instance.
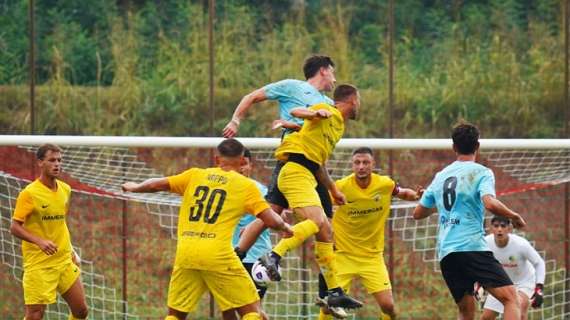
{"points": [[537, 298]]}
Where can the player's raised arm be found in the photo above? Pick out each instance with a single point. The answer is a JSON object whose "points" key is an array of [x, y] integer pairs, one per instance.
{"points": [[149, 185], [495, 206], [304, 113], [274, 221], [232, 127]]}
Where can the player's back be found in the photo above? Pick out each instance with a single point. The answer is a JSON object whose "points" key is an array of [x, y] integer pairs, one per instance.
{"points": [[213, 202], [457, 192], [291, 94], [317, 138]]}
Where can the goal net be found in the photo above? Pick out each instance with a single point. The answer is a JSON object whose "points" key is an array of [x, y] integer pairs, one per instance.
{"points": [[127, 241]]}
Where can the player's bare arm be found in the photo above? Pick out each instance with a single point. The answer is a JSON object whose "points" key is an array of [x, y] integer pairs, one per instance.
{"points": [[323, 177], [304, 113], [495, 206], [274, 221], [278, 124], [149, 185], [409, 194], [18, 230], [250, 234], [421, 212], [232, 127]]}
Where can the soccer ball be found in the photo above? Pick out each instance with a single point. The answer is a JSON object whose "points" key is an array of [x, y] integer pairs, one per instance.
{"points": [[259, 273]]}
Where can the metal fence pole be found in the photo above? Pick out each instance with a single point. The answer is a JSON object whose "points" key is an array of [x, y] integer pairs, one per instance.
{"points": [[391, 33]]}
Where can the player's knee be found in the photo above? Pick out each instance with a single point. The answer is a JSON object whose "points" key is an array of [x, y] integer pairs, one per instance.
{"points": [[252, 316]]}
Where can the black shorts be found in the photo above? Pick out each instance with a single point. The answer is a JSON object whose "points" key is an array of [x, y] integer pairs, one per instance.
{"points": [[260, 289], [462, 269], [275, 196]]}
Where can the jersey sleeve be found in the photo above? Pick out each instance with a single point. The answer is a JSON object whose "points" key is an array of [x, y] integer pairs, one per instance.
{"points": [[24, 206], [536, 261], [487, 184], [275, 90], [254, 202], [179, 182], [428, 198]]}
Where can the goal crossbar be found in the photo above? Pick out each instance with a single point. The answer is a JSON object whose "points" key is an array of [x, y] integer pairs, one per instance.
{"points": [[210, 142]]}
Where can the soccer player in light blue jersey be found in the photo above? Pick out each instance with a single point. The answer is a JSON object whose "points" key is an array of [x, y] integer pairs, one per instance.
{"points": [[261, 246], [461, 192]]}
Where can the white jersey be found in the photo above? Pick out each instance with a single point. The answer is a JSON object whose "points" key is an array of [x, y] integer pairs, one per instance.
{"points": [[520, 260]]}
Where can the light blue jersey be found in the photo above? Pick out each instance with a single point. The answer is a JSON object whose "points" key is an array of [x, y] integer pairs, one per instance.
{"points": [[263, 243], [291, 94], [456, 191]]}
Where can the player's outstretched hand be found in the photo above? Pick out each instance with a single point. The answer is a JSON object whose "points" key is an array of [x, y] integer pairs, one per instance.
{"points": [[322, 113], [231, 129], [47, 246], [518, 222], [129, 186], [286, 231], [537, 298]]}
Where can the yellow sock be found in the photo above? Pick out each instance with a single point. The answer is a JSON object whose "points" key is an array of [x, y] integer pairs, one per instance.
{"points": [[71, 317], [252, 316], [325, 258], [384, 316], [171, 318], [324, 316], [301, 231]]}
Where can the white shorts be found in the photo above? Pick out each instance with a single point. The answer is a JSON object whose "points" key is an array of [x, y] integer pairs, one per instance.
{"points": [[493, 304]]}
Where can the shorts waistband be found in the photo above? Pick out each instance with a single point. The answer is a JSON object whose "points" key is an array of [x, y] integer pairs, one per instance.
{"points": [[302, 160]]}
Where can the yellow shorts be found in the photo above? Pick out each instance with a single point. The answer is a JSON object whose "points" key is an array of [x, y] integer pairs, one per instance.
{"points": [[298, 185], [371, 271], [231, 288], [41, 285]]}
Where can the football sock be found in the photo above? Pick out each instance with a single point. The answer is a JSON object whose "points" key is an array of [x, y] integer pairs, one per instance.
{"points": [[252, 316], [171, 318], [324, 255], [324, 316], [71, 317], [322, 286], [384, 316], [301, 231]]}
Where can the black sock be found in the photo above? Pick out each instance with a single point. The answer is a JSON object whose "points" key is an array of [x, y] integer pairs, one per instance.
{"points": [[322, 286]]}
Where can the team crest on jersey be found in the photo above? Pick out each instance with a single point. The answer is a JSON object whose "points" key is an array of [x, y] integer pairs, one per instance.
{"points": [[376, 196]]}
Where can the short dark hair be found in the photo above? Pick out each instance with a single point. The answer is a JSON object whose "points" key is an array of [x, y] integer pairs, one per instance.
{"points": [[314, 63], [343, 92], [247, 153], [44, 148], [230, 148], [465, 138], [500, 219], [363, 150]]}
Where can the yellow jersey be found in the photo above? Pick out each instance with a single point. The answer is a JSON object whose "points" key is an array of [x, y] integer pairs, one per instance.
{"points": [[317, 138], [43, 213], [213, 202], [359, 224]]}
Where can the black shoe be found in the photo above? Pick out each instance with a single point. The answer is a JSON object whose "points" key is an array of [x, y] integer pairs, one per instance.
{"points": [[337, 298], [271, 262]]}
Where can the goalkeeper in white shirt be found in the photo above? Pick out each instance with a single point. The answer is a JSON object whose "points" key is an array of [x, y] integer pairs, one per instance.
{"points": [[522, 263]]}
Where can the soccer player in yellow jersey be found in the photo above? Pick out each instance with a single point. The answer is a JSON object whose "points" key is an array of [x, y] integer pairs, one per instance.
{"points": [[359, 229], [305, 152], [213, 202], [39, 220]]}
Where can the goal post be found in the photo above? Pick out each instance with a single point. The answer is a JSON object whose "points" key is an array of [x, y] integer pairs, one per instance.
{"points": [[128, 240]]}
